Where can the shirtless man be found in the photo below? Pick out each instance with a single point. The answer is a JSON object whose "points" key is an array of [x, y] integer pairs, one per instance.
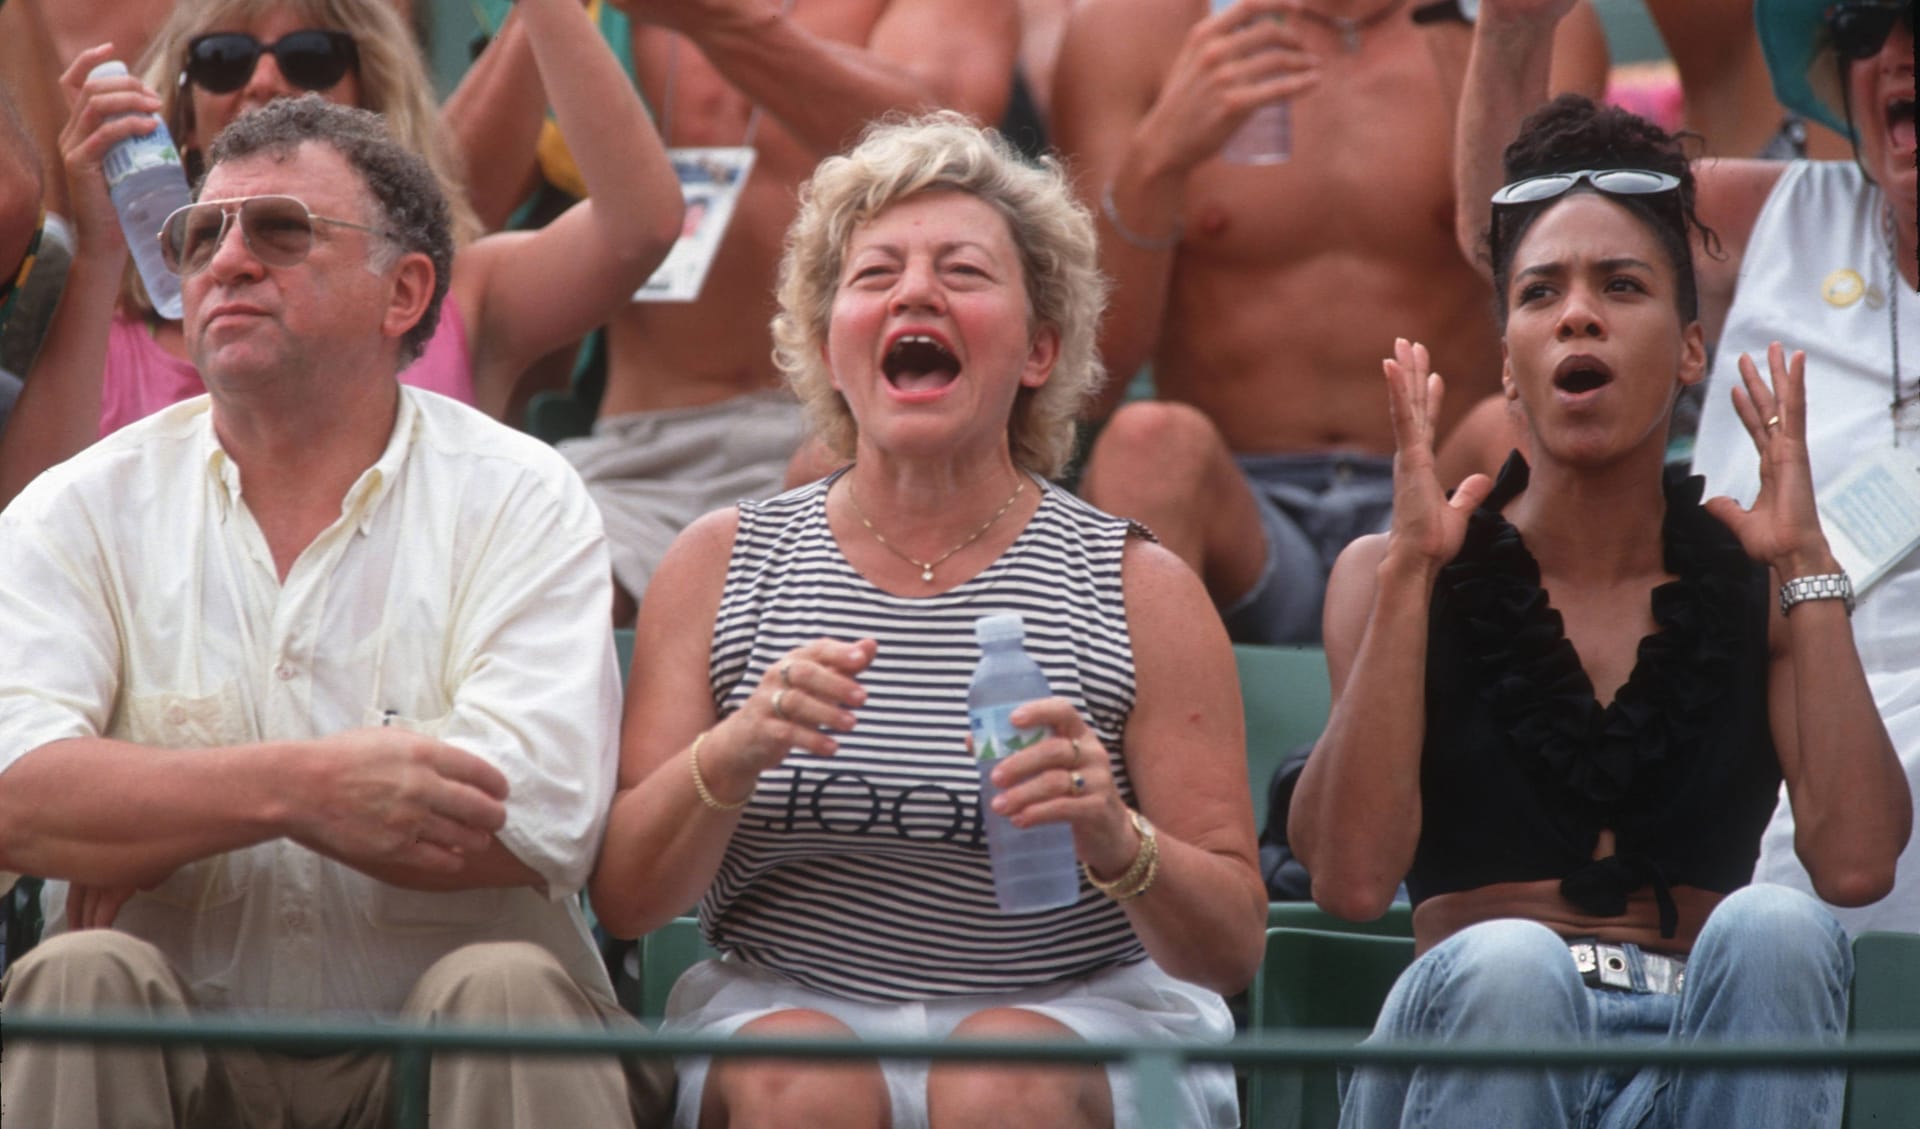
{"points": [[694, 415], [1264, 296]]}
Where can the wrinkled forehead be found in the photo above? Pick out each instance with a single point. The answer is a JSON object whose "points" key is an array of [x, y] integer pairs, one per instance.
{"points": [[313, 171]]}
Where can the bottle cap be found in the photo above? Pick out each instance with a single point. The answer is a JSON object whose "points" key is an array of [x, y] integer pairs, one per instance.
{"points": [[999, 629], [110, 67]]}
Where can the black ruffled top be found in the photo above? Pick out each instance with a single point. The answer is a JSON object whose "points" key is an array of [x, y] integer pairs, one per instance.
{"points": [[1523, 768]]}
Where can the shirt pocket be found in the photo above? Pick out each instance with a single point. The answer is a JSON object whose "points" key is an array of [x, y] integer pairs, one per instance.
{"points": [[395, 909]]}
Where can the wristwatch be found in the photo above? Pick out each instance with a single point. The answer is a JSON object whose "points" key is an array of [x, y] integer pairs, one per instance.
{"points": [[1464, 11], [1824, 586]]}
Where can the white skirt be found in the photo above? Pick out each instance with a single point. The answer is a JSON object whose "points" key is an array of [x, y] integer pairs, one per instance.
{"points": [[1135, 1001]]}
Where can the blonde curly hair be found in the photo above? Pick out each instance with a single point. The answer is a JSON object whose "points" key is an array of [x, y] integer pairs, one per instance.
{"points": [[898, 158]]}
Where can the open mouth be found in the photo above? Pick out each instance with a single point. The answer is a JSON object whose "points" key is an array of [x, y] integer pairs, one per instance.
{"points": [[1578, 375], [916, 362], [1900, 123]]}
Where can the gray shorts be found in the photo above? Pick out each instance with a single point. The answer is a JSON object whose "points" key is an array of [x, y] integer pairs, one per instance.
{"points": [[654, 473], [1311, 507], [1134, 1001]]}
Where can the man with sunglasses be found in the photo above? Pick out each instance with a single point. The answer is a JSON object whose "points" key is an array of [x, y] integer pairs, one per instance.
{"points": [[337, 649], [1825, 253]]}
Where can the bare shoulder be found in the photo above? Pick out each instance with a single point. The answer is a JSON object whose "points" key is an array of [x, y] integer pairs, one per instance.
{"points": [[694, 569], [1730, 194]]}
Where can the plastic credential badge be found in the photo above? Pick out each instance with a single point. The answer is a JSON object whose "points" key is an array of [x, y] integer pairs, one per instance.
{"points": [[710, 181], [1872, 513]]}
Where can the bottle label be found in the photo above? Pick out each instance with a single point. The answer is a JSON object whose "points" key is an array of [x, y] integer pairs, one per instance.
{"points": [[994, 734], [138, 154]]}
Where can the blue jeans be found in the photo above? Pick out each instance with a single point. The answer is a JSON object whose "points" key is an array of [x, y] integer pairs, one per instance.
{"points": [[1310, 507], [1771, 964]]}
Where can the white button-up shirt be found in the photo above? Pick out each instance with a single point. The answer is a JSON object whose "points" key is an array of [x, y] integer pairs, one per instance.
{"points": [[462, 592]]}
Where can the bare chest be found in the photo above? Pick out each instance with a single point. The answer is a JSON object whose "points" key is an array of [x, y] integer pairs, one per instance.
{"points": [[1370, 172]]}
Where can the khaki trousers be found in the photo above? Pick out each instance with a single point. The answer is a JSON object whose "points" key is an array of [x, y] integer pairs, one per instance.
{"points": [[510, 984]]}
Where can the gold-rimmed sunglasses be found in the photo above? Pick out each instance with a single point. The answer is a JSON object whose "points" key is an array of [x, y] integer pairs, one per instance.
{"points": [[278, 230]]}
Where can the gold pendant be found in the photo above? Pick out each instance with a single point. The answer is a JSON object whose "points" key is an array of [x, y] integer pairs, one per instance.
{"points": [[926, 574]]}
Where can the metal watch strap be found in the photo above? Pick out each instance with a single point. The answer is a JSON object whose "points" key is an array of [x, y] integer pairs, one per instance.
{"points": [[1821, 586]]}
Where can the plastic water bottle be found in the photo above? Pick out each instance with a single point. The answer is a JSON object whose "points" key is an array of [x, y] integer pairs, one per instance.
{"points": [[1266, 136], [147, 182], [1034, 867]]}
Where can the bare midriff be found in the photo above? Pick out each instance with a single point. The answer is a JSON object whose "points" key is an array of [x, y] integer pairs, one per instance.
{"points": [[1443, 915], [664, 355], [1293, 280]]}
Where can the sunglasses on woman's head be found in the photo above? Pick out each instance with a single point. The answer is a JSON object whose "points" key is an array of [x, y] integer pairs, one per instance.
{"points": [[1860, 27], [1613, 182], [278, 230], [311, 59]]}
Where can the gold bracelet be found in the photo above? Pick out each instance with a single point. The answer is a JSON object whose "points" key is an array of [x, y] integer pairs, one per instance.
{"points": [[1140, 873], [700, 784]]}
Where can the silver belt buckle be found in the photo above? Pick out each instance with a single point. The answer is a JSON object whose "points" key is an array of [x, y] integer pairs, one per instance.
{"points": [[1614, 972]]}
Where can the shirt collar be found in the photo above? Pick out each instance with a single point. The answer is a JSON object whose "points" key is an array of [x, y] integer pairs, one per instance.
{"points": [[362, 499]]}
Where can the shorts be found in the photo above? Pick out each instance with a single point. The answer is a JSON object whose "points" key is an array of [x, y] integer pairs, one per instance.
{"points": [[1311, 507], [654, 473], [1134, 1001]]}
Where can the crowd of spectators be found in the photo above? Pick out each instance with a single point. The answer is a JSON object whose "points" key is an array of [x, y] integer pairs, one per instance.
{"points": [[819, 321]]}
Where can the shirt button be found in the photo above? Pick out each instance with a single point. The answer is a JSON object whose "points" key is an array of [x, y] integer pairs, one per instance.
{"points": [[284, 672], [177, 715]]}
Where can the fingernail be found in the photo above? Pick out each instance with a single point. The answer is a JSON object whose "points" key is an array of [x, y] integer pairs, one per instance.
{"points": [[1000, 804]]}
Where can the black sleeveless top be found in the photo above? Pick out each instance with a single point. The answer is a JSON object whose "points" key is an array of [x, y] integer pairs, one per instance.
{"points": [[1522, 767]]}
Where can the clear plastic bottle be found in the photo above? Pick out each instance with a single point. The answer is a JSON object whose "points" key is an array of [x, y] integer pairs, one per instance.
{"points": [[1266, 136], [1034, 867], [147, 182]]}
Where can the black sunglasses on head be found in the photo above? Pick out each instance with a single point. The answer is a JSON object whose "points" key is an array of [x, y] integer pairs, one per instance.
{"points": [[311, 58], [1860, 27]]}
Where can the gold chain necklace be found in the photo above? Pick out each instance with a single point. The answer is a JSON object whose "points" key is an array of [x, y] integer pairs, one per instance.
{"points": [[1350, 27], [926, 567]]}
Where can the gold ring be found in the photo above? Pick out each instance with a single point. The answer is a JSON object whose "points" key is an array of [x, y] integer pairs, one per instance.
{"points": [[1773, 422], [777, 710], [1074, 744], [1077, 782], [786, 674]]}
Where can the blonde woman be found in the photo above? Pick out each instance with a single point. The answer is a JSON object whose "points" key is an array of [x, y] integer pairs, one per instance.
{"points": [[794, 755]]}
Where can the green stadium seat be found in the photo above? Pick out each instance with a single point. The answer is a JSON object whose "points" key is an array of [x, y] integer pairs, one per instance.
{"points": [[1886, 999], [1319, 980], [664, 954], [1285, 697], [1396, 922]]}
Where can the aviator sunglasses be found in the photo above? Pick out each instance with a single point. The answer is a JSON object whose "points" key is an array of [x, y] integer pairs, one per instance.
{"points": [[311, 59], [1860, 27], [1613, 182], [278, 230]]}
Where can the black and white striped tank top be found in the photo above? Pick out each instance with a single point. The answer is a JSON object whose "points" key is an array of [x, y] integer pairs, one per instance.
{"points": [[865, 874]]}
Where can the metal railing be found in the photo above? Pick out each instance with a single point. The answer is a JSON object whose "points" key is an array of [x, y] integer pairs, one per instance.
{"points": [[1155, 1065]]}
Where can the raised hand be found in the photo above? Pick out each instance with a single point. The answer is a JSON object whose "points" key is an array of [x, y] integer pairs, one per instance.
{"points": [[801, 701], [389, 796], [1782, 527], [102, 113], [1067, 777], [1427, 525], [1232, 61]]}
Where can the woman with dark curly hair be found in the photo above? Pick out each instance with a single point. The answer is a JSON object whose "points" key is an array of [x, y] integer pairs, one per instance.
{"points": [[1564, 704]]}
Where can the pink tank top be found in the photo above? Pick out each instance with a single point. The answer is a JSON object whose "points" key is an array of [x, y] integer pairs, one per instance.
{"points": [[141, 377]]}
